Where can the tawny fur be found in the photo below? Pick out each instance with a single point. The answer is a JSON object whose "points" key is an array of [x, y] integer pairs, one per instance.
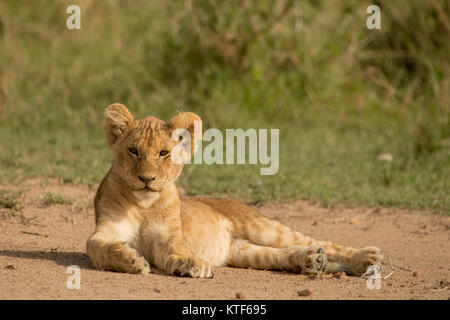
{"points": [[137, 228]]}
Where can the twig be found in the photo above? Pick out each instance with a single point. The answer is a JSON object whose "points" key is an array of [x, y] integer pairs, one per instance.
{"points": [[392, 269], [363, 275], [439, 289], [360, 278], [318, 275], [402, 268], [32, 233]]}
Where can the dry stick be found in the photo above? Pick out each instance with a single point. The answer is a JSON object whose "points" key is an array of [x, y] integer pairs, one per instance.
{"points": [[357, 280], [402, 268], [31, 233], [360, 278], [392, 269], [367, 274], [440, 289], [314, 265]]}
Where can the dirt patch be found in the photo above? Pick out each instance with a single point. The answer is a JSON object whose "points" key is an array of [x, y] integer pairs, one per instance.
{"points": [[38, 244]]}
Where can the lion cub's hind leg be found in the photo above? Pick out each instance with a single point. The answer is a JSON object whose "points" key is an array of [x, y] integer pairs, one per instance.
{"points": [[244, 254], [266, 232]]}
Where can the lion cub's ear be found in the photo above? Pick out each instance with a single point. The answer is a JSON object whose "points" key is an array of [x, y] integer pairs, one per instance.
{"points": [[190, 122], [117, 122]]}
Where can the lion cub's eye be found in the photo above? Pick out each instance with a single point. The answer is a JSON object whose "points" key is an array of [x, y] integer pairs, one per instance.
{"points": [[133, 151], [163, 153]]}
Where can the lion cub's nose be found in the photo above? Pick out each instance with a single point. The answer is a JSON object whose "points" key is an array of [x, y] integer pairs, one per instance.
{"points": [[145, 179]]}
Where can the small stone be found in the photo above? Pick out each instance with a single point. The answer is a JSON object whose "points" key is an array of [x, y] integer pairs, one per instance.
{"points": [[442, 284], [415, 273], [387, 157], [340, 275], [305, 293], [11, 267], [157, 290], [352, 221], [240, 295], [315, 223]]}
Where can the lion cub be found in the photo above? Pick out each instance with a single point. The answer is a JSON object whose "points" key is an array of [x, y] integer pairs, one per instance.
{"points": [[141, 220]]}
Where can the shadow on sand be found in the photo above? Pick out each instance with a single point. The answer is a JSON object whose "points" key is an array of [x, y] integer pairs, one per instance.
{"points": [[62, 258]]}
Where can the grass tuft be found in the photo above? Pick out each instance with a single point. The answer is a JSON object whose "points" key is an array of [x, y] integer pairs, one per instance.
{"points": [[51, 198], [10, 200]]}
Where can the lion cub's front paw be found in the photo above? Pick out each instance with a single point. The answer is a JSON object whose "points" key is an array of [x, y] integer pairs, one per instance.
{"points": [[125, 259], [189, 267], [140, 266], [363, 258]]}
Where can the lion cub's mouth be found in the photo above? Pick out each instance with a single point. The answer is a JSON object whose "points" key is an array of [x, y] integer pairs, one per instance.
{"points": [[148, 189]]}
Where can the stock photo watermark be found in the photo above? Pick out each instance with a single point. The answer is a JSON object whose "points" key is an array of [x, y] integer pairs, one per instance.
{"points": [[373, 280], [73, 281], [218, 152], [73, 22], [374, 20]]}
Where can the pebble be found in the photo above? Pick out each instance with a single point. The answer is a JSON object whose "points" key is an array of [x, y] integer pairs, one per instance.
{"points": [[240, 295], [305, 293], [11, 267], [340, 275]]}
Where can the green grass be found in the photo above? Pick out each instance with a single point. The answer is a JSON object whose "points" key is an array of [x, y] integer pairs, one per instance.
{"points": [[50, 198], [10, 200], [339, 93]]}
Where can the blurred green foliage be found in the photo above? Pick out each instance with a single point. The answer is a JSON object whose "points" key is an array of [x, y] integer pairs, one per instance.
{"points": [[341, 94]]}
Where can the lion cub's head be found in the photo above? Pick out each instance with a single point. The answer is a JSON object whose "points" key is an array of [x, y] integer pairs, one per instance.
{"points": [[142, 148]]}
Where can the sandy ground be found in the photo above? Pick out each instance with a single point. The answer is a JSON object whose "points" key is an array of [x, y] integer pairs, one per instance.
{"points": [[36, 250]]}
